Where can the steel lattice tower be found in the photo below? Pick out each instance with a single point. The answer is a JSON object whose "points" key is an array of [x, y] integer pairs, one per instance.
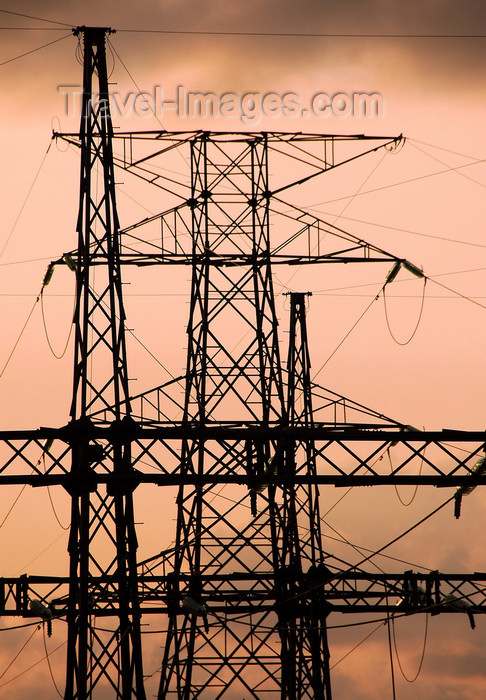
{"points": [[222, 555], [102, 539], [247, 588]]}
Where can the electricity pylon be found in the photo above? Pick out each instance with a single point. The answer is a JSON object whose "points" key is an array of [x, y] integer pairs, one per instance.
{"points": [[215, 546], [247, 588], [100, 383]]}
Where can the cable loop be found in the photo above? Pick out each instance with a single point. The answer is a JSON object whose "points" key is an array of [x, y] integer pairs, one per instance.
{"points": [[411, 680], [406, 342]]}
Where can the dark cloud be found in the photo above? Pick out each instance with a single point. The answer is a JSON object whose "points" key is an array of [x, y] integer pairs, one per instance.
{"points": [[467, 664], [429, 63]]}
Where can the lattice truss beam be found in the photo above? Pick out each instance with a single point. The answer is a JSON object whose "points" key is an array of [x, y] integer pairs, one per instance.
{"points": [[247, 586], [298, 237]]}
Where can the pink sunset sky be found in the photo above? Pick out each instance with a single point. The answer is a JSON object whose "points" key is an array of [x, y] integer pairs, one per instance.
{"points": [[425, 202]]}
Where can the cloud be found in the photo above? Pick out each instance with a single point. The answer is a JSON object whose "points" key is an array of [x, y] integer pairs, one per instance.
{"points": [[223, 59]]}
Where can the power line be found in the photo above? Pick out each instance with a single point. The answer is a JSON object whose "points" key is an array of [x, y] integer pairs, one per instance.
{"points": [[375, 553], [432, 278], [13, 505], [30, 260], [340, 538], [25, 202], [406, 532], [71, 325], [412, 335], [19, 627], [304, 35], [406, 230], [326, 294], [375, 298], [380, 624], [39, 19], [49, 662], [132, 79], [441, 148], [390, 656], [346, 541], [317, 35], [32, 29], [386, 556], [406, 504], [27, 53], [19, 337], [18, 653], [33, 665], [140, 91], [459, 294], [449, 289], [24, 567], [442, 162], [227, 456], [396, 616], [422, 656], [402, 182]]}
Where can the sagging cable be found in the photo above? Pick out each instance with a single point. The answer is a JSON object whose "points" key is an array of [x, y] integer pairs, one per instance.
{"points": [[403, 502], [71, 264], [42, 460], [47, 278], [422, 656], [417, 272], [49, 664]]}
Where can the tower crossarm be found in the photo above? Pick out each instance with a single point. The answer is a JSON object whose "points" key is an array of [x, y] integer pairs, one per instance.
{"points": [[352, 591], [345, 456]]}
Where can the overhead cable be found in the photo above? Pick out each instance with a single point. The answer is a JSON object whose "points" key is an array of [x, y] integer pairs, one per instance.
{"points": [[38, 48], [39, 19]]}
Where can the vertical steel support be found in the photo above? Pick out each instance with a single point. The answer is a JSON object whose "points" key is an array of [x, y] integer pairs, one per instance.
{"points": [[217, 537], [300, 565], [253, 637], [102, 540]]}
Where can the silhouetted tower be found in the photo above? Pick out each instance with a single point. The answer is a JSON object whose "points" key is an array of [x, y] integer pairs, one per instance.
{"points": [[258, 543], [102, 539], [247, 587], [300, 570]]}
